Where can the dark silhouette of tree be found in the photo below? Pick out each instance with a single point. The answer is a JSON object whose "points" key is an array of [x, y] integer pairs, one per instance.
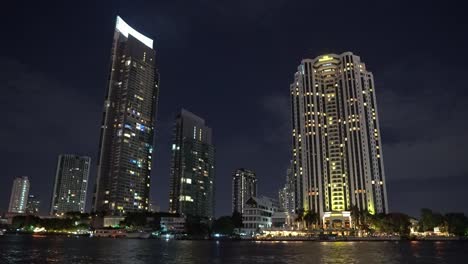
{"points": [[237, 219], [223, 225], [457, 224], [311, 219]]}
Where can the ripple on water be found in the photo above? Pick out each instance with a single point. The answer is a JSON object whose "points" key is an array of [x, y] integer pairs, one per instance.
{"points": [[24, 249]]}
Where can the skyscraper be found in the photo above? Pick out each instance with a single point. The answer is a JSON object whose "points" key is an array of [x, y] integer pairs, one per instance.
{"points": [[286, 195], [71, 184], [244, 186], [126, 143], [33, 205], [19, 195], [192, 168], [337, 149]]}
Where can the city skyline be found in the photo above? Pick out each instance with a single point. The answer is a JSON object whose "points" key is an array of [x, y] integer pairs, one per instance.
{"points": [[420, 99]]}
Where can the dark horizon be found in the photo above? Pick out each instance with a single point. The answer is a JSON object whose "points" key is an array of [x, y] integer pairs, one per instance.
{"points": [[231, 64]]}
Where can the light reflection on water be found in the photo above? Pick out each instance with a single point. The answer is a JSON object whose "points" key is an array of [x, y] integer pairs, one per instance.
{"points": [[26, 249]]}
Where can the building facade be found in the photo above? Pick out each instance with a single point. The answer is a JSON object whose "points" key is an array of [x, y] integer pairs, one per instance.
{"points": [[244, 186], [126, 142], [19, 195], [258, 212], [192, 168], [286, 195], [337, 149], [173, 224], [33, 205], [71, 184]]}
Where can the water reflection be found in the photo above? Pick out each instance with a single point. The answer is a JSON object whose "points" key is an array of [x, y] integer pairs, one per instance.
{"points": [[27, 249]]}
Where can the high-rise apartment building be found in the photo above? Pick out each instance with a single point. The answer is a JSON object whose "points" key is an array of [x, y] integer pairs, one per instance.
{"points": [[19, 195], [244, 186], [33, 205], [286, 195], [193, 167], [337, 149], [126, 142], [71, 184]]}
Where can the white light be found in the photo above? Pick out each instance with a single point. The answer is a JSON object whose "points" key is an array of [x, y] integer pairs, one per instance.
{"points": [[125, 29]]}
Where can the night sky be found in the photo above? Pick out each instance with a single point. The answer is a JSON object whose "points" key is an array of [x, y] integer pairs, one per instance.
{"points": [[231, 62]]}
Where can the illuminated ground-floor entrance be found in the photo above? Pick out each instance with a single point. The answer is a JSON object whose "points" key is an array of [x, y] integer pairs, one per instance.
{"points": [[337, 220]]}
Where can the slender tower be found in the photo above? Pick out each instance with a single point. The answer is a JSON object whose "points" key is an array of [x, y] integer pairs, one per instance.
{"points": [[244, 186], [126, 142], [71, 184], [337, 149], [286, 194], [19, 195], [193, 167]]}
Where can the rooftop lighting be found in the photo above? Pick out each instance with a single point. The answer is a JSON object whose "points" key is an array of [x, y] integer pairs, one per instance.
{"points": [[125, 29]]}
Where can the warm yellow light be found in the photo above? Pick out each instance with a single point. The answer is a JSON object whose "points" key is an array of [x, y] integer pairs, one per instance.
{"points": [[325, 58]]}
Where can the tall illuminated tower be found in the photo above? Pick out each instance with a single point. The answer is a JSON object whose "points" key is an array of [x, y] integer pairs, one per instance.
{"points": [[337, 149], [193, 167], [244, 186], [126, 142], [19, 195]]}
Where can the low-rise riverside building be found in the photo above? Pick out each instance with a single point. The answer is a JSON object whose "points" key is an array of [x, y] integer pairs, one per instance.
{"points": [[283, 220], [258, 212], [173, 225]]}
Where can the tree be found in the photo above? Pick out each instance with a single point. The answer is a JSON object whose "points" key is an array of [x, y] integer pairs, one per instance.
{"points": [[300, 216], [311, 218], [429, 220], [135, 219], [457, 223], [223, 225], [393, 223], [25, 222], [197, 226], [355, 215], [237, 219]]}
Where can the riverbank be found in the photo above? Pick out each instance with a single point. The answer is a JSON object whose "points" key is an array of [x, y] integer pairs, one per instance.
{"points": [[271, 239]]}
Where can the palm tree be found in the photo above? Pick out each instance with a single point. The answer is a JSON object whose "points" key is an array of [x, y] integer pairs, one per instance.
{"points": [[355, 216], [300, 216], [311, 218]]}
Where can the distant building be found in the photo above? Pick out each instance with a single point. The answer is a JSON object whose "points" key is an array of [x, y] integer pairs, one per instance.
{"points": [[193, 167], [173, 224], [336, 139], [154, 207], [127, 129], [258, 212], [286, 194], [282, 220], [244, 186], [71, 184], [33, 205], [112, 221], [19, 195]]}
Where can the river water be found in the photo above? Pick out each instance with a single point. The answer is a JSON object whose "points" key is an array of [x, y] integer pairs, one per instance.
{"points": [[28, 249]]}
